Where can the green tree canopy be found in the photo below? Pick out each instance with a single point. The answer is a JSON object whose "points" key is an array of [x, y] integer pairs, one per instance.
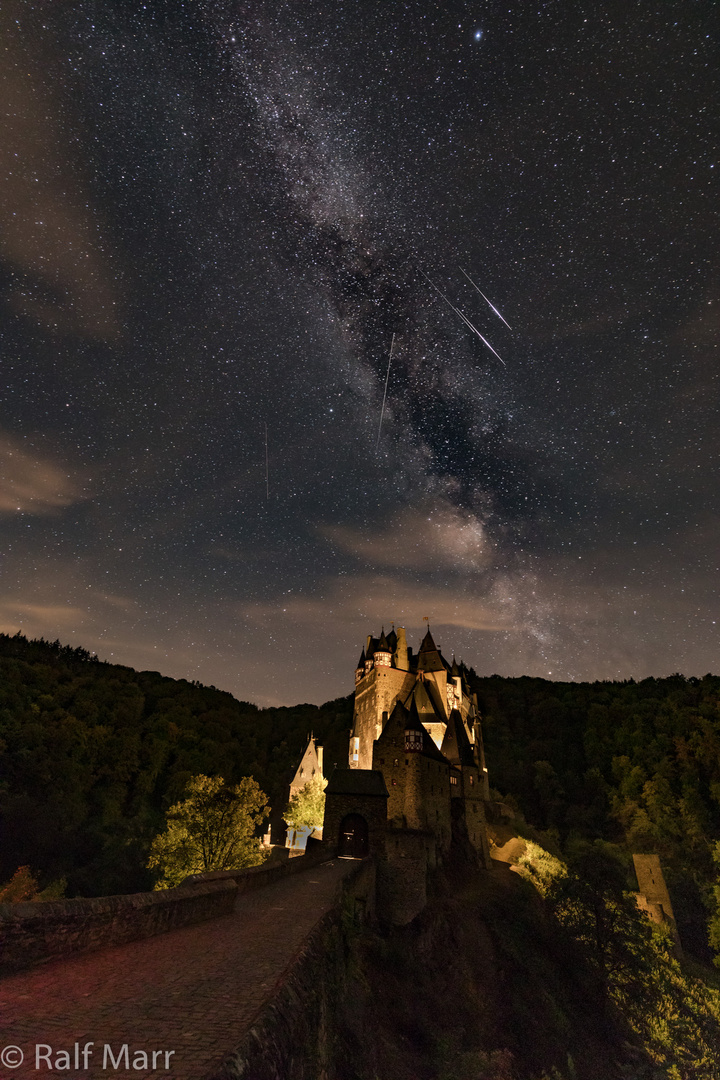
{"points": [[307, 806], [211, 829]]}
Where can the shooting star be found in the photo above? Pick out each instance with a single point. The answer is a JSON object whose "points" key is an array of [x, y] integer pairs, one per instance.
{"points": [[387, 376], [267, 466], [485, 298], [464, 318]]}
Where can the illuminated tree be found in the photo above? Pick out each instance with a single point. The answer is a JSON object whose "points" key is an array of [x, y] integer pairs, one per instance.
{"points": [[714, 921], [307, 807], [23, 887], [213, 828]]}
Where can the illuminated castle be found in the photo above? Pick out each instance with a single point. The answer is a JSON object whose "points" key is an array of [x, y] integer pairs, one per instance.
{"points": [[388, 672], [417, 779]]}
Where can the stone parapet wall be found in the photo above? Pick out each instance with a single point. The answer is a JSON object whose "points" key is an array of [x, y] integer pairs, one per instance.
{"points": [[255, 877], [293, 1036], [35, 932]]}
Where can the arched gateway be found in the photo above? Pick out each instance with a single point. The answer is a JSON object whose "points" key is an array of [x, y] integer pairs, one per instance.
{"points": [[353, 837], [355, 812]]}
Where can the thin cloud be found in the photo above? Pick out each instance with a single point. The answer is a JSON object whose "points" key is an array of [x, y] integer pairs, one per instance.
{"points": [[434, 538], [382, 599], [33, 485]]}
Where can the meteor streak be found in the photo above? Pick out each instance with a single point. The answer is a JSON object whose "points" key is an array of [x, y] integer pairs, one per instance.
{"points": [[464, 318], [387, 376], [485, 298]]}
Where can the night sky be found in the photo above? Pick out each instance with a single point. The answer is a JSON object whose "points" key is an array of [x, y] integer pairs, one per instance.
{"points": [[215, 217]]}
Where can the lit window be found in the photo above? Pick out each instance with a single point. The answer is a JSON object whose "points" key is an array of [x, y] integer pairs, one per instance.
{"points": [[413, 740]]}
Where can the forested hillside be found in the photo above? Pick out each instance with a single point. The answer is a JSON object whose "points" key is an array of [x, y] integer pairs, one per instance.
{"points": [[634, 764], [93, 754]]}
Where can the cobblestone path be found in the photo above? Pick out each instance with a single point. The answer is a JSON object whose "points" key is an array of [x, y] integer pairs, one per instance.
{"points": [[194, 991]]}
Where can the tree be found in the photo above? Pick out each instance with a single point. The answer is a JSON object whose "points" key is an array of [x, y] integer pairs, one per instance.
{"points": [[23, 887], [307, 806], [714, 920], [211, 829]]}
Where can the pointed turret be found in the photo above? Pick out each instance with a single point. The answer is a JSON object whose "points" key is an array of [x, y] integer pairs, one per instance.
{"points": [[360, 669], [383, 653], [429, 658], [427, 644]]}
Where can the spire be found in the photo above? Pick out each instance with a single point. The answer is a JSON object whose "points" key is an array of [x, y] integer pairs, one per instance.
{"points": [[429, 658], [383, 645]]}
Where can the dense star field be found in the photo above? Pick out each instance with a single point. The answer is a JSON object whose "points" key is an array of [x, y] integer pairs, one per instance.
{"points": [[217, 218]]}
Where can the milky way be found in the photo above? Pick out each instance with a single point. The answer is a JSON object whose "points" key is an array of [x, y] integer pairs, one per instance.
{"points": [[215, 218]]}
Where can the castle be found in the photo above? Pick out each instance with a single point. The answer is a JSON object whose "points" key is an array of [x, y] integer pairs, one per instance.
{"points": [[416, 775]]}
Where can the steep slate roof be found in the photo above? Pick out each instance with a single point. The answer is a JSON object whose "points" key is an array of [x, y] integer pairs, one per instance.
{"points": [[429, 658], [456, 745], [429, 748], [361, 661], [357, 782], [395, 723], [382, 645], [426, 699]]}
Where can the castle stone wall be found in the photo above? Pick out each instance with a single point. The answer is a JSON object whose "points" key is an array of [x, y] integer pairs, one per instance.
{"points": [[376, 694], [402, 875], [371, 807]]}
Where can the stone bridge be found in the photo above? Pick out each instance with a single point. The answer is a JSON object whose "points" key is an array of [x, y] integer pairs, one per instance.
{"points": [[232, 997]]}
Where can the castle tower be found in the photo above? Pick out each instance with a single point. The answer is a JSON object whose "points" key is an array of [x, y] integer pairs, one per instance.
{"points": [[416, 774], [381, 685]]}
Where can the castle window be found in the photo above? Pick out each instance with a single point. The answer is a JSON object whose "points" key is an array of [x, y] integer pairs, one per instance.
{"points": [[472, 779], [396, 761], [453, 780], [394, 783], [413, 740]]}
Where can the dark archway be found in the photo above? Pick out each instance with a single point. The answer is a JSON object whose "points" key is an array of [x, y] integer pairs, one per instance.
{"points": [[353, 837]]}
